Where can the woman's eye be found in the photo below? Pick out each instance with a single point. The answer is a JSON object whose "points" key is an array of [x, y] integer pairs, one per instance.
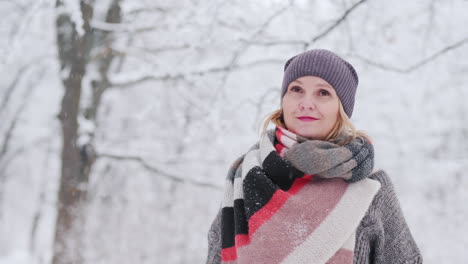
{"points": [[296, 89], [324, 92]]}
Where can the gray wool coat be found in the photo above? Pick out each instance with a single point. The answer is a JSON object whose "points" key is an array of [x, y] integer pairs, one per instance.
{"points": [[383, 236]]}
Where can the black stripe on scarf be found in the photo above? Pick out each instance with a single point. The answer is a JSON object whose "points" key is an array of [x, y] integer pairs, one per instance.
{"points": [[258, 186]]}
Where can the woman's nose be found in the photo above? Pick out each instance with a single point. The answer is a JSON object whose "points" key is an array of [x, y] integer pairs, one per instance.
{"points": [[307, 104]]}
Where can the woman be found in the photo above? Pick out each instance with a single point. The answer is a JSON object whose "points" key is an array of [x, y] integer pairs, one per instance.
{"points": [[306, 192]]}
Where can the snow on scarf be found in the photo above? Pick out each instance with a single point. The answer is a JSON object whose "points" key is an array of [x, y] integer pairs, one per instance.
{"points": [[302, 206]]}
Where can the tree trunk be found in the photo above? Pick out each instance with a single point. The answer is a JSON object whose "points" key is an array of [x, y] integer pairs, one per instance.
{"points": [[77, 160], [73, 53]]}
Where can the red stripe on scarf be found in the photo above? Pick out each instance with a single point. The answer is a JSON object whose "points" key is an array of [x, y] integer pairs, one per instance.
{"points": [[279, 147], [263, 215]]}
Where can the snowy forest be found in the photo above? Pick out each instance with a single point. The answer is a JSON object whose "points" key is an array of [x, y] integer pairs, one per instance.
{"points": [[120, 118]]}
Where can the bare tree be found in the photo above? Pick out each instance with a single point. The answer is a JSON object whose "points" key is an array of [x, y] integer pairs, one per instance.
{"points": [[77, 156]]}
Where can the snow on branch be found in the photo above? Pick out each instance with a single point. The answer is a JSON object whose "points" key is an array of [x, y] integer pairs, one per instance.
{"points": [[149, 10], [119, 27], [72, 8], [105, 26]]}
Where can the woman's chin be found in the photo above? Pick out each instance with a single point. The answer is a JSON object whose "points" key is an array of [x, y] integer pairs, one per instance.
{"points": [[306, 130], [307, 133]]}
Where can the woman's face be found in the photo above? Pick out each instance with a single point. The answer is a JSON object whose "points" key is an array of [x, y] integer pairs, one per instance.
{"points": [[310, 107]]}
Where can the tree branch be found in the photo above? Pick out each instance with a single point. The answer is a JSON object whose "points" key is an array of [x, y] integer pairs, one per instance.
{"points": [[33, 82], [417, 65], [16, 80], [437, 54], [179, 76], [145, 78], [244, 48], [274, 43], [11, 87], [336, 24], [105, 51], [169, 176]]}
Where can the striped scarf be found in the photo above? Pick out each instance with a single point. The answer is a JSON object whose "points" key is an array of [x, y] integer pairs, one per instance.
{"points": [[276, 211]]}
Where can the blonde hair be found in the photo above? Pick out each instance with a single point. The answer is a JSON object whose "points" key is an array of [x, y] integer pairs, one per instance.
{"points": [[342, 133]]}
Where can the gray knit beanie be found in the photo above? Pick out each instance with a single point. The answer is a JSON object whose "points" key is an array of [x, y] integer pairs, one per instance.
{"points": [[327, 65]]}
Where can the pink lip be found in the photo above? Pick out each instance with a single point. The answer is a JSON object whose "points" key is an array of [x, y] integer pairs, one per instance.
{"points": [[307, 118]]}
